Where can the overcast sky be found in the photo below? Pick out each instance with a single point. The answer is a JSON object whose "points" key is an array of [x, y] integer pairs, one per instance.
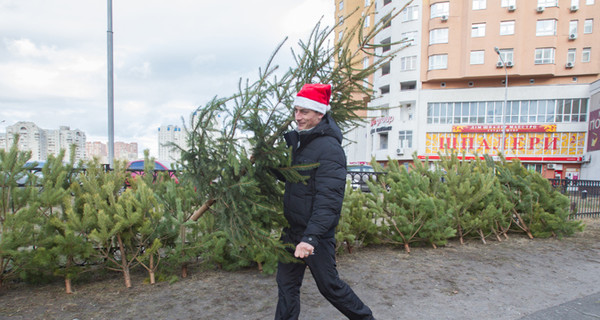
{"points": [[169, 58]]}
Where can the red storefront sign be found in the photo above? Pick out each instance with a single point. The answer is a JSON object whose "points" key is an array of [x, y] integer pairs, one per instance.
{"points": [[509, 128]]}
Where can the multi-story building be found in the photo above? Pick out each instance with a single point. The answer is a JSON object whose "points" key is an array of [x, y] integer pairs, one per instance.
{"points": [[349, 13], [43, 143], [448, 89], [97, 149], [166, 136], [123, 151]]}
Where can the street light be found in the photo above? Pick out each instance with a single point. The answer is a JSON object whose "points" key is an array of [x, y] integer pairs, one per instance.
{"points": [[505, 100]]}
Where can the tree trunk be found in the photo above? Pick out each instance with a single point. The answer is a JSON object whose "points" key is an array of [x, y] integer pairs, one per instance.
{"points": [[184, 270], [198, 213], [68, 288], [124, 265], [151, 270], [460, 235], [407, 248], [482, 236], [522, 225]]}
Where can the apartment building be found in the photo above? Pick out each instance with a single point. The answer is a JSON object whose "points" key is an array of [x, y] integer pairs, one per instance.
{"points": [[42, 142], [167, 135], [483, 76], [350, 13]]}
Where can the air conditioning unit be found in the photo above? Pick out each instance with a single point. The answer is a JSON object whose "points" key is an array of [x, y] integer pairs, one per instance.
{"points": [[444, 18], [574, 8], [569, 64], [509, 64], [540, 9], [499, 64], [572, 36], [400, 151], [512, 8], [551, 166], [586, 158]]}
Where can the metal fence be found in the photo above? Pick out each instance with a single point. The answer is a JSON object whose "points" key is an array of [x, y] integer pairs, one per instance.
{"points": [[584, 196]]}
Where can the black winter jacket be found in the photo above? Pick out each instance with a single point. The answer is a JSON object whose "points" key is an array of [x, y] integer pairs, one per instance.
{"points": [[313, 208]]}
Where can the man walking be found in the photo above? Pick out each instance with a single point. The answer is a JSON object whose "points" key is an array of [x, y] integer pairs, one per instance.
{"points": [[312, 208]]}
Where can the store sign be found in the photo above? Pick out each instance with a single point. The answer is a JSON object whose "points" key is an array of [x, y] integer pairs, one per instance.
{"points": [[509, 128], [593, 143], [516, 143], [382, 121]]}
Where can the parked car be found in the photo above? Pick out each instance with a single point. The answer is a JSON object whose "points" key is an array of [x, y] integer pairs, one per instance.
{"points": [[358, 175]]}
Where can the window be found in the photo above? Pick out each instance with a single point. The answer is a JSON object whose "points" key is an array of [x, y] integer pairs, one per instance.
{"points": [[574, 3], [438, 61], [589, 2], [385, 89], [367, 21], [573, 27], [507, 55], [507, 28], [341, 35], [517, 111], [387, 21], [386, 2], [409, 14], [386, 44], [405, 139], [440, 9], [544, 56], [383, 141], [408, 63], [477, 57], [385, 68], [438, 36], [365, 62], [367, 3], [408, 85], [409, 38], [478, 30], [479, 4], [341, 6], [506, 3], [547, 3], [586, 54], [571, 55], [545, 27], [588, 25]]}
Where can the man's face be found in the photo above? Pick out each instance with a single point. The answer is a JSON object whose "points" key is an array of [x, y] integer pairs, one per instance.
{"points": [[307, 118]]}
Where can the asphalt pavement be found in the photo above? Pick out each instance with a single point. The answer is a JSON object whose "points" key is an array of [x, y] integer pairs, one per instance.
{"points": [[586, 308]]}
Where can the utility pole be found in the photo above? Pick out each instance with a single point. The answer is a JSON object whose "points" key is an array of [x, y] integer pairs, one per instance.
{"points": [[111, 95]]}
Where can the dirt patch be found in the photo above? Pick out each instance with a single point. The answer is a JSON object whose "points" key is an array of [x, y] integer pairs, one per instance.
{"points": [[499, 280]]}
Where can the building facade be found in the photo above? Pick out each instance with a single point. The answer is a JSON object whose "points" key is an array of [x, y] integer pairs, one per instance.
{"points": [[487, 76], [168, 135], [349, 13], [43, 143]]}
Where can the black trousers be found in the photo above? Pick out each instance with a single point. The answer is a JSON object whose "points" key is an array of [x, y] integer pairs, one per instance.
{"points": [[322, 265]]}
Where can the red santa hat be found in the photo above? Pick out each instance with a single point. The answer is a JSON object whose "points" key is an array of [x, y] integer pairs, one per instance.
{"points": [[314, 97]]}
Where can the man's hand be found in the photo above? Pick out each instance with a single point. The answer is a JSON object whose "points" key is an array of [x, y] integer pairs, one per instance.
{"points": [[303, 250]]}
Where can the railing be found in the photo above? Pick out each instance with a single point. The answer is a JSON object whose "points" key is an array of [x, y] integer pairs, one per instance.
{"points": [[584, 196]]}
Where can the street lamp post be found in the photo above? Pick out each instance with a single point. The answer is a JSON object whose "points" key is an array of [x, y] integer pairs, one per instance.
{"points": [[505, 100]]}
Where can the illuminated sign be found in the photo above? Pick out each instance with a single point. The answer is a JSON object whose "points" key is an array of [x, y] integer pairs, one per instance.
{"points": [[376, 122], [516, 143], [509, 128]]}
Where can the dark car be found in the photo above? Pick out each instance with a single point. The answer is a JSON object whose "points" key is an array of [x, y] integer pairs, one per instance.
{"points": [[358, 175]]}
